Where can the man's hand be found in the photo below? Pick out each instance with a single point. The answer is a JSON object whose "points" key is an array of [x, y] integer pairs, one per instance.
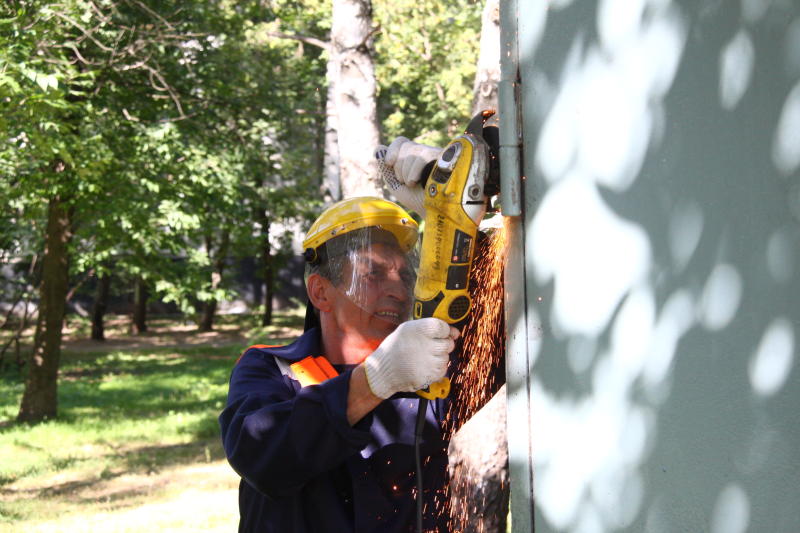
{"points": [[406, 160], [412, 357]]}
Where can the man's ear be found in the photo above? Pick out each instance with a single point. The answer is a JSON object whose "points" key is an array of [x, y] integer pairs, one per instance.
{"points": [[319, 292]]}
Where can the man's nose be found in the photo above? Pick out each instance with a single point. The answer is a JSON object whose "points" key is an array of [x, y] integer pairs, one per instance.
{"points": [[396, 287]]}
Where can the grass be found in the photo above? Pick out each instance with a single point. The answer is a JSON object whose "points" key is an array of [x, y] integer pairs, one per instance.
{"points": [[136, 440]]}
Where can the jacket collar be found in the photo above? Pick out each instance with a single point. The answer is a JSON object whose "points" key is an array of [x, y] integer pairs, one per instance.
{"points": [[309, 343]]}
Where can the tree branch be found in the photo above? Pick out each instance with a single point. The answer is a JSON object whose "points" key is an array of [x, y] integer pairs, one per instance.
{"points": [[78, 56], [17, 300], [84, 31], [369, 35], [153, 14], [325, 45], [23, 324], [165, 87], [176, 119], [78, 285], [103, 17]]}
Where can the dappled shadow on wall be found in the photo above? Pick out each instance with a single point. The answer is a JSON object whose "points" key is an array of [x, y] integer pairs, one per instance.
{"points": [[665, 243]]}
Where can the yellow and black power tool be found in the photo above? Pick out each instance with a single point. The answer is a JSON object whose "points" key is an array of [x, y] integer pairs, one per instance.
{"points": [[455, 203], [457, 193], [457, 187]]}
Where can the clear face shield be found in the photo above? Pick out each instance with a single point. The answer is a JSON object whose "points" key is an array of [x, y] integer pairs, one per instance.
{"points": [[373, 272]]}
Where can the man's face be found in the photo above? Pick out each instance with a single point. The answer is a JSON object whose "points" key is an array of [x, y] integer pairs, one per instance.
{"points": [[376, 292]]}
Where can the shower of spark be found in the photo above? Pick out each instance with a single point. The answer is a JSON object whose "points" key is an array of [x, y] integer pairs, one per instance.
{"points": [[479, 375], [480, 370]]}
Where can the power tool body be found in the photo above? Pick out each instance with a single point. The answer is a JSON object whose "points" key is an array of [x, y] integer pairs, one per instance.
{"points": [[456, 196], [455, 203]]}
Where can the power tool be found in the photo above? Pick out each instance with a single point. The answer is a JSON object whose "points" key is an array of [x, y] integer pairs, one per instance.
{"points": [[455, 203], [457, 188]]}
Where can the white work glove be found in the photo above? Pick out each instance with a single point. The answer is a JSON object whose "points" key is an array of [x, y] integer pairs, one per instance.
{"points": [[401, 165], [408, 158], [412, 357]]}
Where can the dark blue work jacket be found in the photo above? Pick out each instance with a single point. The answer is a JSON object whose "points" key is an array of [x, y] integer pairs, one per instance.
{"points": [[305, 469]]}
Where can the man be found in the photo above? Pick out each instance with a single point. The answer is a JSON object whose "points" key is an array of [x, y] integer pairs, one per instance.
{"points": [[322, 430]]}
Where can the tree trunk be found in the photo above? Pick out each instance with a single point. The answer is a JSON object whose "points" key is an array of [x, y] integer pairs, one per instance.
{"points": [[354, 88], [140, 295], [40, 397], [209, 311], [99, 307], [331, 186], [478, 468], [218, 264], [266, 257], [487, 75]]}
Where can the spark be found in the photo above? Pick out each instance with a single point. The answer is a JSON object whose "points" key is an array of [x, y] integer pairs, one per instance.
{"points": [[479, 371], [483, 337]]}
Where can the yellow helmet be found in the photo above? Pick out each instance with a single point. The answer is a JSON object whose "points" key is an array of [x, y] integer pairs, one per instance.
{"points": [[356, 213]]}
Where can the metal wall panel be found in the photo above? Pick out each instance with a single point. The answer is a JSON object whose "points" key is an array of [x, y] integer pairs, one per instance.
{"points": [[660, 235]]}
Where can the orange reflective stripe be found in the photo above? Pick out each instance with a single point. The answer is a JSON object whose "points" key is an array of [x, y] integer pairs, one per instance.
{"points": [[313, 370], [326, 367], [254, 346]]}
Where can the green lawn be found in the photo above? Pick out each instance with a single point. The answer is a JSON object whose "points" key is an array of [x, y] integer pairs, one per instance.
{"points": [[135, 447]]}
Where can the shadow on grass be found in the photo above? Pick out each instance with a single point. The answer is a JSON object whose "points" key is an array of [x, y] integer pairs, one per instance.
{"points": [[147, 460], [127, 418], [136, 476], [99, 389], [8, 513], [125, 403], [152, 459]]}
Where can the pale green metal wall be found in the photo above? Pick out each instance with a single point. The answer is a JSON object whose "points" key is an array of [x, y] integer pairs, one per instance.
{"points": [[653, 361]]}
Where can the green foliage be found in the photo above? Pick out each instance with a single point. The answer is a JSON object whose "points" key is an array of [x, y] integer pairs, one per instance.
{"points": [[166, 126], [427, 52], [172, 128]]}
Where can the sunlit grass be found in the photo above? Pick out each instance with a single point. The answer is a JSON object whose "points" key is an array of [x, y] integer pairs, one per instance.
{"points": [[120, 413], [126, 417]]}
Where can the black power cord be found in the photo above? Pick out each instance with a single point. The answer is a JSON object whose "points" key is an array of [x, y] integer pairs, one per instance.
{"points": [[422, 410]]}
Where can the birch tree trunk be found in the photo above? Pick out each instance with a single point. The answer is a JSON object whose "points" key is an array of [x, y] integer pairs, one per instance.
{"points": [[331, 185], [40, 398], [353, 76], [487, 75]]}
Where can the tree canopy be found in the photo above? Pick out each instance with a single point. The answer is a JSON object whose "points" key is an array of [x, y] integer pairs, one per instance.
{"points": [[163, 140]]}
